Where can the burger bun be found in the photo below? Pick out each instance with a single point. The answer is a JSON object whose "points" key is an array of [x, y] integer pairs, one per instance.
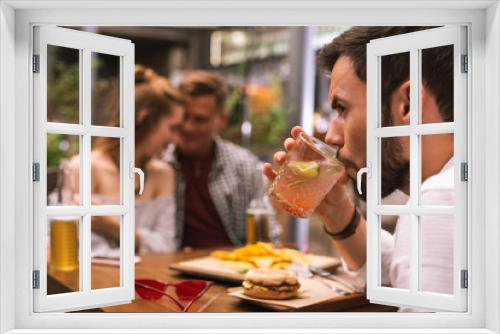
{"points": [[267, 283]]}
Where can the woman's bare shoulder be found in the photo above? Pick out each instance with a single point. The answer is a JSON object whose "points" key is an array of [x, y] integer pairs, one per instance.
{"points": [[160, 169], [161, 175]]}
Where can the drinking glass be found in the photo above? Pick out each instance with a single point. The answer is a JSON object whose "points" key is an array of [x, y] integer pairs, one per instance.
{"points": [[64, 243], [259, 224], [310, 171], [64, 230]]}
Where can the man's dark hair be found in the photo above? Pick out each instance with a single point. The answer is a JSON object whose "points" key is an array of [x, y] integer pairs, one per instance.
{"points": [[437, 65], [199, 83]]}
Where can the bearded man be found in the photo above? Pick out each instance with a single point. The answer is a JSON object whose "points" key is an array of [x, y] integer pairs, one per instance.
{"points": [[345, 61]]}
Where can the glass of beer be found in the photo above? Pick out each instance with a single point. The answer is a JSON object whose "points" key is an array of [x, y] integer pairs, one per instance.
{"points": [[259, 223], [310, 171], [64, 243]]}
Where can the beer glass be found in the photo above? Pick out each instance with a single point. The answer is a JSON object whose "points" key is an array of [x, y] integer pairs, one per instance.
{"points": [[64, 243], [64, 230]]}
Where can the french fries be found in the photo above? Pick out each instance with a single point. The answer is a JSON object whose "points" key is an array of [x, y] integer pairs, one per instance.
{"points": [[260, 255]]}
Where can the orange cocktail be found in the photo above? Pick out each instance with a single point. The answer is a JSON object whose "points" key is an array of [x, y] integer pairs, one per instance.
{"points": [[308, 174]]}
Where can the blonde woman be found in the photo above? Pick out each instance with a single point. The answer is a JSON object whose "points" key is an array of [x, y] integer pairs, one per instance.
{"points": [[158, 115]]}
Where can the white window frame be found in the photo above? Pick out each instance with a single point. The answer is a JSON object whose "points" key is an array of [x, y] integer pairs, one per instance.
{"points": [[85, 44], [17, 18], [413, 43]]}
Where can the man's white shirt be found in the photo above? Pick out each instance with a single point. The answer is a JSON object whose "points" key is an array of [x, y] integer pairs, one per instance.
{"points": [[436, 242]]}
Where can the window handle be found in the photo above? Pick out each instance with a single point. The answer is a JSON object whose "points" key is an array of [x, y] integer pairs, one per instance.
{"points": [[135, 170], [360, 174]]}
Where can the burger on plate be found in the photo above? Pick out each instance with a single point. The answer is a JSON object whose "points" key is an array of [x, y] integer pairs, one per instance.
{"points": [[267, 283]]}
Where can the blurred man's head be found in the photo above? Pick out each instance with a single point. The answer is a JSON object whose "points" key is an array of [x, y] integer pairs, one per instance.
{"points": [[205, 96], [344, 59]]}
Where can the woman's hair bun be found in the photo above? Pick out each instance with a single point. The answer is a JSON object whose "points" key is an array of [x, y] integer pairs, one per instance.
{"points": [[144, 74]]}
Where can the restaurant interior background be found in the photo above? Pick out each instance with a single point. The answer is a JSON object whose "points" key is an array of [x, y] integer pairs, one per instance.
{"points": [[273, 80], [274, 85]]}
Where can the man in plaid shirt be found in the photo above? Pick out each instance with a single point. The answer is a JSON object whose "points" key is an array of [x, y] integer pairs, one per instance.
{"points": [[215, 179]]}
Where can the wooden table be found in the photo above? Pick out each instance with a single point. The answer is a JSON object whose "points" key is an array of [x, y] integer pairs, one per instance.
{"points": [[155, 266]]}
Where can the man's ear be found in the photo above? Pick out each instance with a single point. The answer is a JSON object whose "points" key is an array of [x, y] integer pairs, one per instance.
{"points": [[403, 103]]}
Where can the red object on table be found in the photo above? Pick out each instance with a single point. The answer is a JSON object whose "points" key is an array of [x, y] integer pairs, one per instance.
{"points": [[190, 291]]}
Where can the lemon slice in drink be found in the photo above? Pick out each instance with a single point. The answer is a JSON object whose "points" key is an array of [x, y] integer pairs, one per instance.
{"points": [[307, 169]]}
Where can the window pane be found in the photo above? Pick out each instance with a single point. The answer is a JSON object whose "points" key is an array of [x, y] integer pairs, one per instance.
{"points": [[105, 174], [437, 178], [397, 260], [106, 232], [437, 69], [63, 274], [394, 103], [436, 250], [394, 169], [63, 165], [105, 90], [63, 84]]}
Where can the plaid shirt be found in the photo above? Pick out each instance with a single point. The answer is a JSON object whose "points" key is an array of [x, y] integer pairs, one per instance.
{"points": [[234, 180]]}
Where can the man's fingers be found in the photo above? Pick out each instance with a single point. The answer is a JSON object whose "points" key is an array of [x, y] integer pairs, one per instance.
{"points": [[269, 171], [279, 157], [289, 144], [296, 130]]}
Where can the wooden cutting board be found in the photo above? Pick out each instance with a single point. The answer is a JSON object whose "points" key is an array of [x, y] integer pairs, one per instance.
{"points": [[314, 292], [214, 268]]}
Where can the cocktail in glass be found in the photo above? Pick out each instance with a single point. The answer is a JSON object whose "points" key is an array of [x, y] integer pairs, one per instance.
{"points": [[310, 171]]}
